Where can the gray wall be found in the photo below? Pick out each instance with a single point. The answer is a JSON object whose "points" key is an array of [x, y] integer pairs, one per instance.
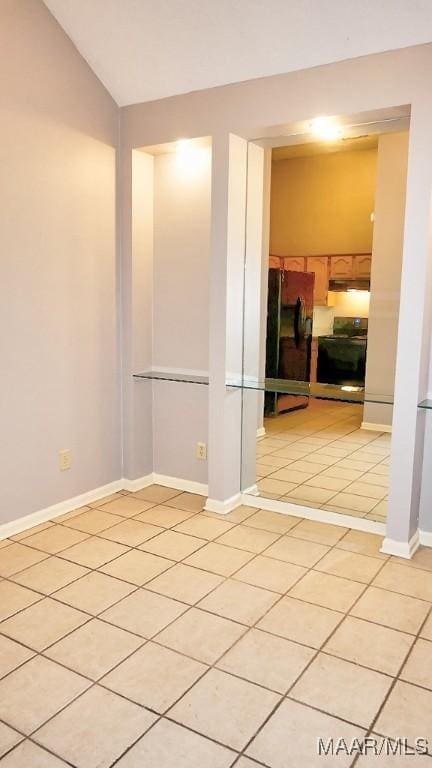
{"points": [[58, 310]]}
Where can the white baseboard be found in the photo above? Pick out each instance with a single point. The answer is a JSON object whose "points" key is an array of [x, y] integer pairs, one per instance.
{"points": [[404, 549], [140, 482], [372, 427], [223, 507], [43, 515], [319, 515], [261, 432], [190, 486], [425, 538], [253, 490]]}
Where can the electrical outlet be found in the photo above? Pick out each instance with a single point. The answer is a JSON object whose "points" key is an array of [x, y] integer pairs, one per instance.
{"points": [[201, 451], [65, 459]]}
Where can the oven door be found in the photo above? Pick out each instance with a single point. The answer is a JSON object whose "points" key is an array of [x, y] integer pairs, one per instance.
{"points": [[341, 361]]}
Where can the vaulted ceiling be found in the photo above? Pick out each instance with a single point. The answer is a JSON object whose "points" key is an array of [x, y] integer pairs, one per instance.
{"points": [[148, 49]]}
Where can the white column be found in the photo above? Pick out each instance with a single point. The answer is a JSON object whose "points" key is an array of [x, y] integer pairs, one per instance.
{"points": [[228, 208], [412, 361]]}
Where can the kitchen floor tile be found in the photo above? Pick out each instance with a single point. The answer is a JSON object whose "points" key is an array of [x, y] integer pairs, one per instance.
{"points": [[190, 502], [329, 483], [297, 551], [300, 622], [309, 495], [144, 613], [418, 667], [154, 677], [173, 545], [225, 708], [30, 531], [353, 501], [408, 581], [168, 745], [29, 755], [55, 539], [95, 730], [93, 521], [14, 598], [271, 574], [407, 711], [320, 533], [342, 689], [370, 645], [250, 539], [49, 575], [137, 567], [8, 739], [294, 730], [349, 565], [94, 552], [94, 592], [94, 649], [204, 527], [239, 602], [219, 559], [184, 583], [125, 506], [131, 532], [272, 521], [391, 609], [42, 624], [165, 517], [329, 591], [363, 543], [12, 655], [157, 494], [201, 635], [427, 629], [276, 487], [36, 691], [16, 557], [266, 660]]}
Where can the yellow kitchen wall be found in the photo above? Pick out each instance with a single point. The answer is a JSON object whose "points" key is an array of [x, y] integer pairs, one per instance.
{"points": [[322, 204]]}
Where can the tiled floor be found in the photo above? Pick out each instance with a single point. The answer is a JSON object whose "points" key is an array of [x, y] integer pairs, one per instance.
{"points": [[142, 632], [320, 457]]}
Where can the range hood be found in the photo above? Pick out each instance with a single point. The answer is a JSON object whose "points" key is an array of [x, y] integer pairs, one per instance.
{"points": [[349, 284]]}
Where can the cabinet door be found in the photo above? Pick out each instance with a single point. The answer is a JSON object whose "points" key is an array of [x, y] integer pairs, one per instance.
{"points": [[362, 265], [341, 266], [294, 263], [319, 265], [275, 262]]}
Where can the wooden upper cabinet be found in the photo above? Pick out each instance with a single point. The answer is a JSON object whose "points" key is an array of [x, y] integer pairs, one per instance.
{"points": [[319, 265], [362, 265], [341, 266], [275, 262], [294, 263]]}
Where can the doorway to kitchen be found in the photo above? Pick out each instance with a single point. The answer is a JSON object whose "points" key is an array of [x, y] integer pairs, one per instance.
{"points": [[333, 251]]}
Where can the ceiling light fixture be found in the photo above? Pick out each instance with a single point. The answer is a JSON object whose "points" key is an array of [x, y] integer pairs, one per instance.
{"points": [[325, 128]]}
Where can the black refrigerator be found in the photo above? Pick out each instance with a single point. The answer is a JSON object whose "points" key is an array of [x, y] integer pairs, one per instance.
{"points": [[289, 335]]}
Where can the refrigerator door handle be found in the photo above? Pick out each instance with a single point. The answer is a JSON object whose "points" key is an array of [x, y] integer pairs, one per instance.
{"points": [[299, 321]]}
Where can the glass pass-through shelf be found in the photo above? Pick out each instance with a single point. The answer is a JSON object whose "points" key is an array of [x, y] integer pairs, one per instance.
{"points": [[278, 386]]}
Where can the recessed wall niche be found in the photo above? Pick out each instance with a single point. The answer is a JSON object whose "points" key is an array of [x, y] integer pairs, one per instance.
{"points": [[171, 195]]}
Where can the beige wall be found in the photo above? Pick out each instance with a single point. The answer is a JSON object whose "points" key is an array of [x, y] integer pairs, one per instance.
{"points": [[322, 203], [386, 272], [58, 310]]}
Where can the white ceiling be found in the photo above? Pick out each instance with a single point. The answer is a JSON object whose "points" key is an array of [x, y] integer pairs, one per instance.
{"points": [[148, 49]]}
